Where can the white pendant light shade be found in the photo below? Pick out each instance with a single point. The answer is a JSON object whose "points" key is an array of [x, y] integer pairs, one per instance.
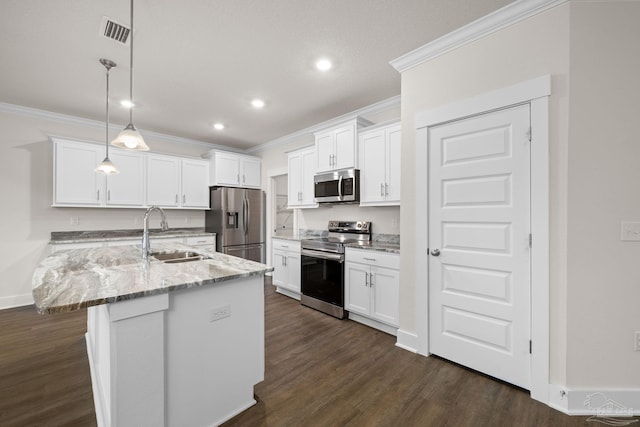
{"points": [[130, 139], [107, 167]]}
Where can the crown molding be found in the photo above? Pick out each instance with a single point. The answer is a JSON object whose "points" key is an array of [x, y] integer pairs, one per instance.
{"points": [[95, 124], [378, 107], [495, 21]]}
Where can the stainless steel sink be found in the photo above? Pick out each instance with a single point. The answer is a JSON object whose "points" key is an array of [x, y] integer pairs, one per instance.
{"points": [[176, 257]]}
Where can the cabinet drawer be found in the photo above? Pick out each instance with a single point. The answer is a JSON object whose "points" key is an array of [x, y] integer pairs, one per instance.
{"points": [[201, 240], [286, 245], [377, 258]]}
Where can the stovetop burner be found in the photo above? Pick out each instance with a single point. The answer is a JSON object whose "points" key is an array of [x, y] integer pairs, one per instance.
{"points": [[341, 233]]}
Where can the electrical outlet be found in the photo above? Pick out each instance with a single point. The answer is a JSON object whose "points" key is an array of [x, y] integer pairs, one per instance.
{"points": [[74, 220], [630, 231], [636, 340], [220, 312]]}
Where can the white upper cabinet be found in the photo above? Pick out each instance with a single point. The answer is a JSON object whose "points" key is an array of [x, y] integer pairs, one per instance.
{"points": [[163, 180], [379, 154], [195, 191], [144, 180], [302, 167], [235, 170], [75, 179], [336, 146], [77, 183], [176, 182], [127, 187]]}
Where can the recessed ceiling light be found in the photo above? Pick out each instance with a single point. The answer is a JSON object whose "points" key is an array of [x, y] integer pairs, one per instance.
{"points": [[324, 64], [218, 126], [127, 104], [257, 103]]}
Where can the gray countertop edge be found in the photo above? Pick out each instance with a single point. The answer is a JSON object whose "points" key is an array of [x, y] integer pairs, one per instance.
{"points": [[372, 246], [158, 291], [135, 234]]}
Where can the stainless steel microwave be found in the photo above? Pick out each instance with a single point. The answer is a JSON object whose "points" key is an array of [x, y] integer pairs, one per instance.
{"points": [[341, 186]]}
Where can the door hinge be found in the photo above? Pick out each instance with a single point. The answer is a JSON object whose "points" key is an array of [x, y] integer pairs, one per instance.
{"points": [[530, 240], [529, 134], [530, 347]]}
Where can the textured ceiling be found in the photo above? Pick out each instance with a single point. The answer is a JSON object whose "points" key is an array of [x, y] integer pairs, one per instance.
{"points": [[201, 61]]}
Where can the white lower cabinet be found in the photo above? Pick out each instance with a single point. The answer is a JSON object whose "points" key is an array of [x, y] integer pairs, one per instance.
{"points": [[286, 267], [372, 288]]}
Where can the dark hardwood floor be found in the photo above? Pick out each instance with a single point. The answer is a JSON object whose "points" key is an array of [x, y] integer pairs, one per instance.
{"points": [[320, 371]]}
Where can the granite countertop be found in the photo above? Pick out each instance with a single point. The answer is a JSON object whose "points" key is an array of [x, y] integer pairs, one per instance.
{"points": [[73, 279], [376, 246], [64, 237], [381, 242]]}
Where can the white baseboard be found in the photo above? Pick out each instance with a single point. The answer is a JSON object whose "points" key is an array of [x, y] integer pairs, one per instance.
{"points": [[16, 301], [373, 324], [407, 341], [288, 293], [98, 397], [598, 402]]}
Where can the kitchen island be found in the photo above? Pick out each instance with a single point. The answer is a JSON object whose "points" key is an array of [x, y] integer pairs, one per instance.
{"points": [[173, 343]]}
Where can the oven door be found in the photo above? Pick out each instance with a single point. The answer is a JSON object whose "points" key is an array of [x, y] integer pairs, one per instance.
{"points": [[322, 276]]}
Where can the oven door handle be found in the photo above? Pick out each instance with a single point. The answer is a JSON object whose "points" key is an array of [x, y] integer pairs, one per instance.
{"points": [[322, 255]]}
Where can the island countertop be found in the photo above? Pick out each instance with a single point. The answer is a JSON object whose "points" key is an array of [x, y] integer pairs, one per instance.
{"points": [[77, 278]]}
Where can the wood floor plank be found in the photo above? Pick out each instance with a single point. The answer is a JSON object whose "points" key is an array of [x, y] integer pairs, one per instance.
{"points": [[319, 371]]}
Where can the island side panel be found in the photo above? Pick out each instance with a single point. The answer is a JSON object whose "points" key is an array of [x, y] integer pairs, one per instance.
{"points": [[215, 351], [126, 348]]}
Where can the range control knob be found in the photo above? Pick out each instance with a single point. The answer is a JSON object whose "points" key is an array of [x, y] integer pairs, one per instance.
{"points": [[359, 225]]}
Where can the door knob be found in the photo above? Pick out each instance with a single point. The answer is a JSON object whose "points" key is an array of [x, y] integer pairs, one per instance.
{"points": [[435, 252]]}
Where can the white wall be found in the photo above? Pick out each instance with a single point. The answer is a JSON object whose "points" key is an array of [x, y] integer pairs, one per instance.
{"points": [[603, 272], [589, 50], [26, 189]]}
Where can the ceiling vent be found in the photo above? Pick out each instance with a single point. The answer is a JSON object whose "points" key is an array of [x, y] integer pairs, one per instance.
{"points": [[114, 31]]}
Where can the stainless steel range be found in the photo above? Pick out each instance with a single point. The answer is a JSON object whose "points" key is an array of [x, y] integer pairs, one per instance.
{"points": [[322, 270]]}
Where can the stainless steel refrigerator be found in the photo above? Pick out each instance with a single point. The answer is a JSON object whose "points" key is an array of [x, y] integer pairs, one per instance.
{"points": [[237, 216]]}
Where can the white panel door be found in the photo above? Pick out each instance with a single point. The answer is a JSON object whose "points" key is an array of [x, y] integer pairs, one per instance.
{"points": [[294, 179], [394, 148], [195, 179], [372, 152], [251, 174], [356, 288], [163, 180], [76, 181], [344, 147], [479, 222], [324, 152], [127, 187]]}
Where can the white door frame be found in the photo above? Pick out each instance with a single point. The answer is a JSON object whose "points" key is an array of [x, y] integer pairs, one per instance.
{"points": [[270, 219], [536, 92]]}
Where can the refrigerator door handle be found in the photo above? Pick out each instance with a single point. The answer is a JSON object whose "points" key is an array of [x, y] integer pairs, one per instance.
{"points": [[248, 217]]}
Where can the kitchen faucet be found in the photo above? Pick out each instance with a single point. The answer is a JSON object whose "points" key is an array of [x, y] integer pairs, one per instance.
{"points": [[145, 233]]}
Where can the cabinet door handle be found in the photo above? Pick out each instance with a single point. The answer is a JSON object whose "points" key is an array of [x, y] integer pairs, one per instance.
{"points": [[285, 260], [108, 195], [370, 259], [184, 199], [381, 190], [243, 179], [371, 280], [98, 195], [238, 178], [386, 189]]}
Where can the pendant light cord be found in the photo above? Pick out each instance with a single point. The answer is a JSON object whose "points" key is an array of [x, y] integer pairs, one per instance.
{"points": [[131, 69], [107, 123]]}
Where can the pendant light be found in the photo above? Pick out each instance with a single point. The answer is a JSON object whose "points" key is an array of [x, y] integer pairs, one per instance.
{"points": [[106, 167], [129, 138]]}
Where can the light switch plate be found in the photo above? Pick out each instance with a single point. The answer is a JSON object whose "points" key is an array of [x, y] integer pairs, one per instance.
{"points": [[630, 231]]}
